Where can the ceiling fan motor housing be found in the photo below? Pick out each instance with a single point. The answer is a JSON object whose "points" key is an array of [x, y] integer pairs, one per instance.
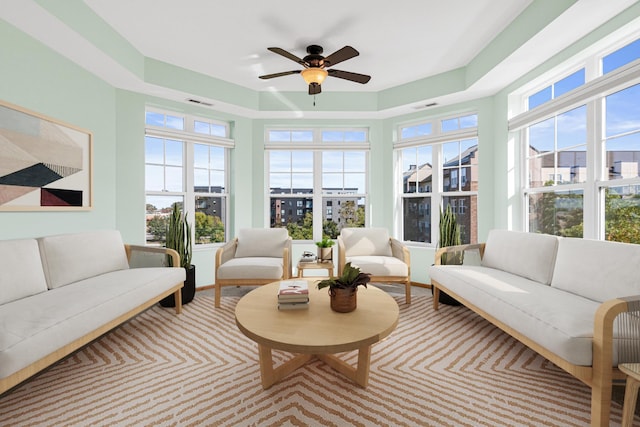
{"points": [[314, 59]]}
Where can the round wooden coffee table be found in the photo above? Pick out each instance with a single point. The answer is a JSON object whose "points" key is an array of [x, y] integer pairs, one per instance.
{"points": [[317, 331]]}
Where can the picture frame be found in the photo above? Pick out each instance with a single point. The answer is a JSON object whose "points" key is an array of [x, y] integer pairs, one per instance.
{"points": [[45, 164]]}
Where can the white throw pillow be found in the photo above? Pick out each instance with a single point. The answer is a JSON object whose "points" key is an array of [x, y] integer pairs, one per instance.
{"points": [[366, 241], [261, 242], [22, 274], [597, 269], [67, 258], [529, 255]]}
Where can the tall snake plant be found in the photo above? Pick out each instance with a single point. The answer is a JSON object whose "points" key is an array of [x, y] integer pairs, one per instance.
{"points": [[450, 236], [179, 236]]}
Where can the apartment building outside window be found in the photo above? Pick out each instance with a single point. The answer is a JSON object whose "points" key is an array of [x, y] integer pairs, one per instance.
{"points": [[581, 151], [186, 164], [317, 180], [439, 166]]}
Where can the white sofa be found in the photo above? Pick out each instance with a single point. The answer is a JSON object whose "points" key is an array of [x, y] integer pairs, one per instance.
{"points": [[58, 293], [559, 296]]}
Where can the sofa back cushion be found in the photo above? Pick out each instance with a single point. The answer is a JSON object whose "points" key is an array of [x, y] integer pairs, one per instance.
{"points": [[528, 255], [597, 269], [67, 258], [369, 241], [261, 242], [22, 274]]}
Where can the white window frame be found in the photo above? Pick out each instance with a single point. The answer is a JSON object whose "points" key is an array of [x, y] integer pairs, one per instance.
{"points": [[592, 94], [189, 138], [317, 146], [436, 139]]}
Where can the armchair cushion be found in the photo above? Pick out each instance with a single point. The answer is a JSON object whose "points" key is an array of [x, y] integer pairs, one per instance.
{"points": [[380, 265], [366, 241], [251, 268], [261, 242]]}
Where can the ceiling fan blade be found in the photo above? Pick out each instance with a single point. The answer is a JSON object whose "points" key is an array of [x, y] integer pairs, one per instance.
{"points": [[284, 73], [340, 55], [314, 89], [354, 77], [288, 55]]}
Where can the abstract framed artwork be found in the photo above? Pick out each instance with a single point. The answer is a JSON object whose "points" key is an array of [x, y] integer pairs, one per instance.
{"points": [[44, 164]]}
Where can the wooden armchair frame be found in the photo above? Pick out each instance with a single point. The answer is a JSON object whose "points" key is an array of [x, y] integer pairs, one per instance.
{"points": [[399, 251], [228, 251]]}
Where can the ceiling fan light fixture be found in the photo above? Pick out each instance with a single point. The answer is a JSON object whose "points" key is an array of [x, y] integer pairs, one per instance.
{"points": [[314, 75]]}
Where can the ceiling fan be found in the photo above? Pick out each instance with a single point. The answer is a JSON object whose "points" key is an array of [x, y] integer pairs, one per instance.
{"points": [[315, 66]]}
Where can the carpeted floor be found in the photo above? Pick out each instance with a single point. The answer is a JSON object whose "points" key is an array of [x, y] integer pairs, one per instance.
{"points": [[446, 368]]}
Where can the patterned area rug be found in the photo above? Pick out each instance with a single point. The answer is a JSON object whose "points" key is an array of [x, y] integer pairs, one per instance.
{"points": [[446, 368]]}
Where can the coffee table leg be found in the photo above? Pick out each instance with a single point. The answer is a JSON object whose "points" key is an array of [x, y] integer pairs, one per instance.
{"points": [[359, 375], [271, 376], [362, 373]]}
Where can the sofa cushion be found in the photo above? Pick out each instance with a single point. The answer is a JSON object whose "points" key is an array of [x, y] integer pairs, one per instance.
{"points": [[366, 241], [596, 269], [251, 268], [379, 265], [559, 321], [35, 327], [528, 255], [261, 242], [22, 274], [68, 258]]}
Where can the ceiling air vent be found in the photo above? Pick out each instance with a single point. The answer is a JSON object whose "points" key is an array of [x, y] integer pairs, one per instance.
{"points": [[420, 107], [197, 101]]}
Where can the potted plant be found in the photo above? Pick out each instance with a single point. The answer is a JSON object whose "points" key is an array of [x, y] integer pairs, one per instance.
{"points": [[343, 290], [325, 250], [179, 239], [449, 236]]}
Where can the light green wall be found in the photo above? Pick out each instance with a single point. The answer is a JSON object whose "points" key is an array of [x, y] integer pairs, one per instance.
{"points": [[37, 78]]}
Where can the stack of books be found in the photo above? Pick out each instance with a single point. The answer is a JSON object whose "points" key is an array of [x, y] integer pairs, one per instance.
{"points": [[293, 295]]}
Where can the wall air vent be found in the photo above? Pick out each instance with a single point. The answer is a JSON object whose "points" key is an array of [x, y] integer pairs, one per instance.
{"points": [[420, 107], [197, 101]]}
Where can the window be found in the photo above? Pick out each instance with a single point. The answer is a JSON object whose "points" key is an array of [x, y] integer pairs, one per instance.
{"points": [[186, 164], [317, 168], [581, 155], [438, 170]]}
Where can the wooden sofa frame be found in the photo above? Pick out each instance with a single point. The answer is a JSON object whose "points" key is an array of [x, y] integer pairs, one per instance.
{"points": [[29, 371], [600, 376]]}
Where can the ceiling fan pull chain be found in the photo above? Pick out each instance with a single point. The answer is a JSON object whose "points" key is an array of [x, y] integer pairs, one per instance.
{"points": [[314, 100]]}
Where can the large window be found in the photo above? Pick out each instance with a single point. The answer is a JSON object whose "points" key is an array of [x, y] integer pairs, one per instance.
{"points": [[439, 167], [186, 164], [581, 153], [317, 168]]}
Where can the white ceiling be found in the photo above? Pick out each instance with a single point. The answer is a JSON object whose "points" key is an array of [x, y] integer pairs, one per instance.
{"points": [[399, 42]]}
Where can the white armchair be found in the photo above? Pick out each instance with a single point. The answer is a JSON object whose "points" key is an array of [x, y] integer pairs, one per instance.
{"points": [[386, 259], [257, 256]]}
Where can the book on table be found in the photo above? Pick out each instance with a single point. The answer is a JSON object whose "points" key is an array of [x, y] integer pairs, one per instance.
{"points": [[293, 291], [293, 305]]}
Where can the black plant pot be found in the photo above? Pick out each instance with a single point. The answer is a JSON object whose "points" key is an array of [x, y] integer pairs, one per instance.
{"points": [[445, 298], [188, 290]]}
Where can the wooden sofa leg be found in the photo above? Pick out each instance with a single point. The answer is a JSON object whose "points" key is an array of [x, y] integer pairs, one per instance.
{"points": [[178, 299], [600, 405], [436, 296], [407, 292], [217, 291]]}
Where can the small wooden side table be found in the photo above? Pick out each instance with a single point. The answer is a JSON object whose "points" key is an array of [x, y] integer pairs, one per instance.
{"points": [[631, 392], [316, 265]]}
